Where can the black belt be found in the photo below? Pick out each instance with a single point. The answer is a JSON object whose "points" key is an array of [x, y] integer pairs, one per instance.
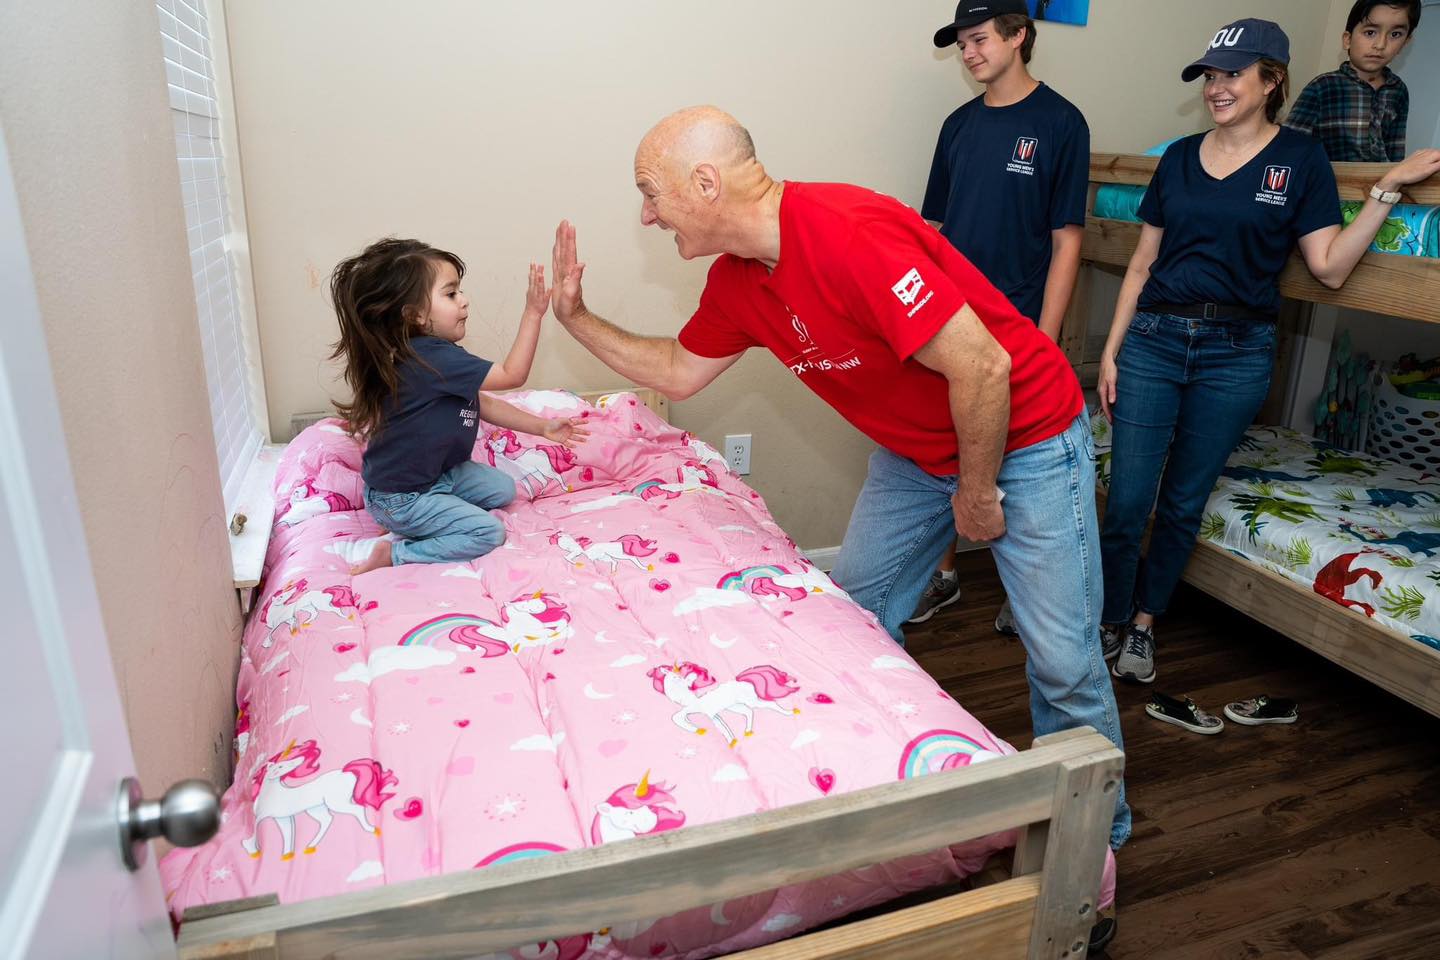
{"points": [[1211, 311]]}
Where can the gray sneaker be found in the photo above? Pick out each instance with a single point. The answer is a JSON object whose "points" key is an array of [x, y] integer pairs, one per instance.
{"points": [[939, 592], [1110, 640], [1137, 659], [1005, 620]]}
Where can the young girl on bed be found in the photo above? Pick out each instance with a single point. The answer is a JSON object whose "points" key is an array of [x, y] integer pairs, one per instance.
{"points": [[1196, 315], [417, 400]]}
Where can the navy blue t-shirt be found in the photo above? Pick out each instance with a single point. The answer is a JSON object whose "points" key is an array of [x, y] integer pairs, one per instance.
{"points": [[429, 424], [1002, 179], [1226, 241]]}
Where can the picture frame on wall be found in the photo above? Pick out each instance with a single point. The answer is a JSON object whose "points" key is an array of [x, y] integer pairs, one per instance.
{"points": [[1075, 12]]}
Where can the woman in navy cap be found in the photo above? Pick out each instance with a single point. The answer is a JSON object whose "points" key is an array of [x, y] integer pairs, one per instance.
{"points": [[1196, 314]]}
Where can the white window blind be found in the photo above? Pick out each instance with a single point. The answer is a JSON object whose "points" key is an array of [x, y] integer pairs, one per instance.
{"points": [[190, 73]]}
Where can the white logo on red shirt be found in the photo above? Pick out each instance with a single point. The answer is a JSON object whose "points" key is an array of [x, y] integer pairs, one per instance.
{"points": [[800, 330], [909, 287]]}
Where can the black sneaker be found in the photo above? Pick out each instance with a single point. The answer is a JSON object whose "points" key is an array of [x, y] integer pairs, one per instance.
{"points": [[1102, 932], [939, 592], [1110, 640], [1005, 621], [1137, 658]]}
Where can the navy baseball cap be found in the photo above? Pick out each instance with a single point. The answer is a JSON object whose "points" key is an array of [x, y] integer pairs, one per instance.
{"points": [[970, 12], [1239, 44]]}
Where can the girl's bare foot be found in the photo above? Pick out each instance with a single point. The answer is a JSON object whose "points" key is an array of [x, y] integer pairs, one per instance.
{"points": [[379, 557]]}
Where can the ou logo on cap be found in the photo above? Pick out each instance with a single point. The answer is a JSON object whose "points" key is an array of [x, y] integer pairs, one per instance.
{"points": [[1227, 37]]}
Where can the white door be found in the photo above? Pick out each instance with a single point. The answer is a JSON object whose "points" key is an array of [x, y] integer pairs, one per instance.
{"points": [[64, 890]]}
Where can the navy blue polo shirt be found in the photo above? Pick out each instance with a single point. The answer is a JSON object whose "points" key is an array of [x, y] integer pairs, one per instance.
{"points": [[1002, 179], [1226, 241], [430, 423]]}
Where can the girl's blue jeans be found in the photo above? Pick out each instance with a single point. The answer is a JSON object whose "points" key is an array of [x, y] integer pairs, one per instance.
{"points": [[448, 522]]}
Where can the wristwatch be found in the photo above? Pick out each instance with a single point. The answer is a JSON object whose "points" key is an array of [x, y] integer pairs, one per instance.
{"points": [[1384, 196]]}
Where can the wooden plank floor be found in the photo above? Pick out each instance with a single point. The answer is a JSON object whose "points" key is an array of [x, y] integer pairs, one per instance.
{"points": [[1314, 841]]}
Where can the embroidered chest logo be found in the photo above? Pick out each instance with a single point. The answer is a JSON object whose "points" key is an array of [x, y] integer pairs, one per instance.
{"points": [[1274, 186], [1022, 159]]}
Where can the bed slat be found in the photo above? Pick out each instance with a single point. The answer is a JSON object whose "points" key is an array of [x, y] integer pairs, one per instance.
{"points": [[992, 922]]}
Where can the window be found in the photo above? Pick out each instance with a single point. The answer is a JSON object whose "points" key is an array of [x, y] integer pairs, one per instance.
{"points": [[190, 73]]}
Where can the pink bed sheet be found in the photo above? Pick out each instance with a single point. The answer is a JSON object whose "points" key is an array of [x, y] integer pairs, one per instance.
{"points": [[647, 650]]}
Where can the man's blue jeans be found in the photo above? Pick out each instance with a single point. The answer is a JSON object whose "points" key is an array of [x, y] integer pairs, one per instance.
{"points": [[448, 522], [1186, 391], [1048, 558]]}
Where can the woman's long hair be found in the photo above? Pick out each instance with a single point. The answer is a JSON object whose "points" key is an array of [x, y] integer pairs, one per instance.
{"points": [[380, 297]]}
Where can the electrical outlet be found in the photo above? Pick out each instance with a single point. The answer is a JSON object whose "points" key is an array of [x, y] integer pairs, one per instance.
{"points": [[737, 453]]}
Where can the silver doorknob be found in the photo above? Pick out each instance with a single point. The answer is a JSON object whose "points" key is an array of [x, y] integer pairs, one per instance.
{"points": [[187, 816]]}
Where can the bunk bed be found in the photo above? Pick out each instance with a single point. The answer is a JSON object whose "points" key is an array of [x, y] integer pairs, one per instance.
{"points": [[1308, 610], [499, 809]]}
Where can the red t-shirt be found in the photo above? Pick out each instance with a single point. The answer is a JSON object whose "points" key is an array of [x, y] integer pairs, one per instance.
{"points": [[863, 283]]}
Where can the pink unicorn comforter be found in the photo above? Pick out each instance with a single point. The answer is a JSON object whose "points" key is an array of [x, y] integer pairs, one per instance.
{"points": [[647, 650]]}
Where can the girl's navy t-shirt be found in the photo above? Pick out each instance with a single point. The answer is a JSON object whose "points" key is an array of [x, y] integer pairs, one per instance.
{"points": [[1226, 241], [429, 425]]}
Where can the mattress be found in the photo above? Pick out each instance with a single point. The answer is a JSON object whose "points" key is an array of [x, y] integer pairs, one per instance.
{"points": [[648, 650], [1359, 531]]}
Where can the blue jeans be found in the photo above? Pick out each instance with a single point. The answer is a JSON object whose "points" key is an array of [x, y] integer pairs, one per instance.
{"points": [[1048, 558], [448, 522], [1186, 391]]}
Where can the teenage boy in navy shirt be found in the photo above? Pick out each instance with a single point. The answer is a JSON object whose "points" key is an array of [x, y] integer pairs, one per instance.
{"points": [[1007, 188]]}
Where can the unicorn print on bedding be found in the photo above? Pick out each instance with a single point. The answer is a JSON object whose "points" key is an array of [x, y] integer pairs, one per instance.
{"points": [[283, 791], [531, 468], [296, 607], [551, 695], [696, 692]]}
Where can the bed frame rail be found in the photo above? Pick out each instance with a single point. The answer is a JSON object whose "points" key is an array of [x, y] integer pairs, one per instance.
{"points": [[1060, 794]]}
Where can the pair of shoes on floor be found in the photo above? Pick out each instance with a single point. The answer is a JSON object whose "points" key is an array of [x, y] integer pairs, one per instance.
{"points": [[939, 593], [1135, 657], [1251, 713]]}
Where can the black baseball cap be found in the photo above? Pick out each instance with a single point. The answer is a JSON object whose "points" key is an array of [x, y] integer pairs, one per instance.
{"points": [[970, 12], [1237, 45]]}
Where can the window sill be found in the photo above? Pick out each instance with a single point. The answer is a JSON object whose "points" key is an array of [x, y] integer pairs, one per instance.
{"points": [[257, 503]]}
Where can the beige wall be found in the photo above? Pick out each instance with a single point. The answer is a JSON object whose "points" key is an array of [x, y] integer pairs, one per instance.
{"points": [[478, 126], [85, 115]]}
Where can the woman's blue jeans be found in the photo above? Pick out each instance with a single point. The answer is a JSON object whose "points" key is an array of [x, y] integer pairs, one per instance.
{"points": [[1186, 392]]}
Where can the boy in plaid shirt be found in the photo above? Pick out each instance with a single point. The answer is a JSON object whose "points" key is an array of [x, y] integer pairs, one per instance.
{"points": [[1358, 112]]}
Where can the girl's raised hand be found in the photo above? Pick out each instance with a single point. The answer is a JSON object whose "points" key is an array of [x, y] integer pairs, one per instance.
{"points": [[565, 430], [537, 295]]}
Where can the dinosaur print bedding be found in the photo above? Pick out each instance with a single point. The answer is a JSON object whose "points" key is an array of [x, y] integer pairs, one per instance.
{"points": [[1360, 531], [647, 650]]}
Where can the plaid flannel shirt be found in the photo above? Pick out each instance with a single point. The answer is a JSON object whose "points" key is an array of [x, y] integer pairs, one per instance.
{"points": [[1353, 120]]}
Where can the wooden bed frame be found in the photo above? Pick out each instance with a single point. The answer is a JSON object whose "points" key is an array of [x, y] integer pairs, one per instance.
{"points": [[1059, 795], [1405, 287]]}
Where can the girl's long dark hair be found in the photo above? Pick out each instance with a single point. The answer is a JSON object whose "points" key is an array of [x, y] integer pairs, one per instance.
{"points": [[380, 296]]}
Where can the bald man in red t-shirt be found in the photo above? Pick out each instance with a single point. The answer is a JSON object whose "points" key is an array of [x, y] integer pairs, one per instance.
{"points": [[880, 316]]}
